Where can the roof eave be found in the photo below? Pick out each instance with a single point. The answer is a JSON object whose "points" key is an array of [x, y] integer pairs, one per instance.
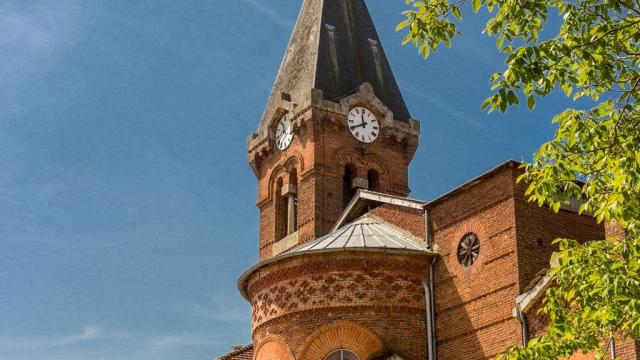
{"points": [[474, 181]]}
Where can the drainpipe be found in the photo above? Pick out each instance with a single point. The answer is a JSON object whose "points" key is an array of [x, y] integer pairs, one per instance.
{"points": [[430, 294], [612, 348], [427, 296], [433, 310], [522, 318]]}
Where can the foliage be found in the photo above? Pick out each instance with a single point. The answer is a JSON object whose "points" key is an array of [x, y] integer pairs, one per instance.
{"points": [[594, 156]]}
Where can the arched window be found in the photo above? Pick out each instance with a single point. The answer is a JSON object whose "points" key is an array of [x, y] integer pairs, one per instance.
{"points": [[347, 179], [280, 211], [374, 180], [293, 203], [342, 355]]}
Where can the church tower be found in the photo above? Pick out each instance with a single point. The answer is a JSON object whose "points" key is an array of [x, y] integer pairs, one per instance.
{"points": [[335, 122], [350, 267]]}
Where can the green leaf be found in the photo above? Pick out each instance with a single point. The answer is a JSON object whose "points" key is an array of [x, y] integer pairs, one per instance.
{"points": [[487, 102], [531, 102], [456, 12], [403, 25], [476, 5]]}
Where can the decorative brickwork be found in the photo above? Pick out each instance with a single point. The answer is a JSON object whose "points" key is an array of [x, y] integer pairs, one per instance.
{"points": [[307, 302], [472, 226], [294, 297], [342, 335]]}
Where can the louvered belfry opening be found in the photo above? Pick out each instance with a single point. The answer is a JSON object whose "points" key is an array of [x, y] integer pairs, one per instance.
{"points": [[374, 180], [280, 211], [293, 202], [347, 180]]}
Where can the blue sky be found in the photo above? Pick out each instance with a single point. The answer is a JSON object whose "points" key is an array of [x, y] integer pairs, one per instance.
{"points": [[126, 202]]}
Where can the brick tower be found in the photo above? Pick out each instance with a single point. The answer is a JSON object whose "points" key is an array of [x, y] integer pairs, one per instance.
{"points": [[335, 122]]}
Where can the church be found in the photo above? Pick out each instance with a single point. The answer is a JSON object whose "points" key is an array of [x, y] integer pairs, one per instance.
{"points": [[350, 266]]}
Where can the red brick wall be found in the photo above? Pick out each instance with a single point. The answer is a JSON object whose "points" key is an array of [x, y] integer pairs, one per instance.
{"points": [[321, 148], [380, 291], [614, 230], [407, 219], [537, 227], [474, 305], [628, 349]]}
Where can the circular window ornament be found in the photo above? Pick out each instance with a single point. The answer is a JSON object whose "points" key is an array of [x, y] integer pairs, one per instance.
{"points": [[468, 249]]}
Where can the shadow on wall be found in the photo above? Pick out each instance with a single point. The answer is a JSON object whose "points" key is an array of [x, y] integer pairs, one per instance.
{"points": [[457, 337]]}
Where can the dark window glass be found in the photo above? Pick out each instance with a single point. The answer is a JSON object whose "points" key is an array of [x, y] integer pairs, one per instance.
{"points": [[293, 179], [342, 355], [374, 180], [281, 211], [347, 179]]}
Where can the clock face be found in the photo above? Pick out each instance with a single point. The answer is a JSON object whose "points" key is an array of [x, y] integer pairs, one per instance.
{"points": [[284, 133], [363, 124]]}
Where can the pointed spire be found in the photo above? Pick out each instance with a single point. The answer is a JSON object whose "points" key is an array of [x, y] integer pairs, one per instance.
{"points": [[335, 48]]}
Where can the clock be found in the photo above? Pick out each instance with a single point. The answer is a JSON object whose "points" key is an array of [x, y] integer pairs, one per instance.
{"points": [[284, 132], [363, 124]]}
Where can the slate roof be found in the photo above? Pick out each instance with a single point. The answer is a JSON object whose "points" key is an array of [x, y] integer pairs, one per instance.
{"points": [[364, 233], [335, 48]]}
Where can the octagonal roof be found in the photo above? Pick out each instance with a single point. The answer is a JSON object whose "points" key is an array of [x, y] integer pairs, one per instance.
{"points": [[364, 233], [367, 234]]}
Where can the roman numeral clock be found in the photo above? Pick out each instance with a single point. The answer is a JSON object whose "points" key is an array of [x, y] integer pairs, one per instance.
{"points": [[363, 125]]}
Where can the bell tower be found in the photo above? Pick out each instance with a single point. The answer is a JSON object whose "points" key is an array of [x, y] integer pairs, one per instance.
{"points": [[335, 122]]}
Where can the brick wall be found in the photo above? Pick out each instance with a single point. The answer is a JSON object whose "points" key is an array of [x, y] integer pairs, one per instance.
{"points": [[319, 152], [628, 349], [537, 227], [473, 305], [409, 220], [382, 292]]}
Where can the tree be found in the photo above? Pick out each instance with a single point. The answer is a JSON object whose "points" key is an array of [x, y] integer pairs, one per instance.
{"points": [[595, 154]]}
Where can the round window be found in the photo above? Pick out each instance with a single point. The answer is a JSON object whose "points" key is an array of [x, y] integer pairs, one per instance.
{"points": [[468, 249], [342, 355]]}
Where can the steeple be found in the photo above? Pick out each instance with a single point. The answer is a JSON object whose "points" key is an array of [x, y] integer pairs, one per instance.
{"points": [[335, 122], [334, 48]]}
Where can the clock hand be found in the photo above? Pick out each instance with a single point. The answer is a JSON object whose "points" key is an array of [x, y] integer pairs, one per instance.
{"points": [[357, 126]]}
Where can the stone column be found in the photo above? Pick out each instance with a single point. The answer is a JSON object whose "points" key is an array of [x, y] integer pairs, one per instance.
{"points": [[289, 191]]}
